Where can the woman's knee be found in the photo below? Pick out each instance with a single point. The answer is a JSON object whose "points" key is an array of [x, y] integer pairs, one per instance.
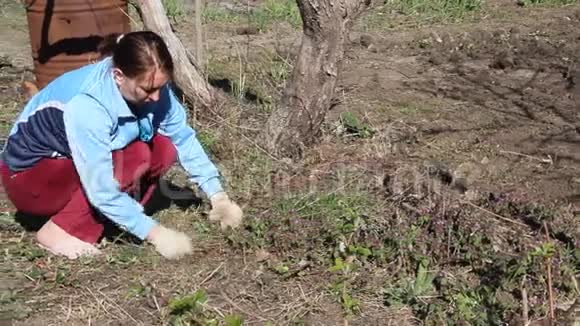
{"points": [[132, 162], [163, 154]]}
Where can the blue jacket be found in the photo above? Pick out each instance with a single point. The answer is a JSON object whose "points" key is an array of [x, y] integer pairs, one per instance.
{"points": [[82, 116]]}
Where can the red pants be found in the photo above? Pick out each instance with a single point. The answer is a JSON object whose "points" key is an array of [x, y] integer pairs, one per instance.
{"points": [[52, 187]]}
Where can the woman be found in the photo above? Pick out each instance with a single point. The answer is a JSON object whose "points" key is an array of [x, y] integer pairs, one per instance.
{"points": [[86, 144]]}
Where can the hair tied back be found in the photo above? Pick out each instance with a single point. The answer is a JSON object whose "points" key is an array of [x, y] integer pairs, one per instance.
{"points": [[119, 38]]}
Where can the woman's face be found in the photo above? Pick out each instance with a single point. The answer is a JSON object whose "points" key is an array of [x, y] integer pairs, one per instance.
{"points": [[143, 89]]}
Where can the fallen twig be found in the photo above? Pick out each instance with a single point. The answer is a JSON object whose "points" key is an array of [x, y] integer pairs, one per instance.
{"points": [[230, 301], [211, 274], [525, 308], [496, 215], [548, 160], [69, 311], [99, 302], [155, 302], [114, 304]]}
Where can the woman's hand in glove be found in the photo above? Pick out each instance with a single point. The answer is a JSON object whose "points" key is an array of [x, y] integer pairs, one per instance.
{"points": [[169, 243], [226, 211]]}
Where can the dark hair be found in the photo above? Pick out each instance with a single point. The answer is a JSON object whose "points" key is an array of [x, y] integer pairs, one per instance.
{"points": [[136, 53]]}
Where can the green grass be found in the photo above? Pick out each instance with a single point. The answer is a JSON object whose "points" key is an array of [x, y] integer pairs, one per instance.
{"points": [[259, 73], [208, 139], [276, 11], [445, 8], [469, 281], [262, 17], [212, 13], [174, 9], [409, 108], [435, 8], [352, 125], [421, 11], [342, 210], [335, 221], [414, 12]]}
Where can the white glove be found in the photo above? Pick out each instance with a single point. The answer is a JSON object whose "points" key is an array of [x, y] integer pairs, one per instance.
{"points": [[225, 211], [169, 243]]}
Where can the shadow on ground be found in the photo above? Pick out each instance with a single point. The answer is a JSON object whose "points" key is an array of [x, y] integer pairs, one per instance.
{"points": [[181, 197]]}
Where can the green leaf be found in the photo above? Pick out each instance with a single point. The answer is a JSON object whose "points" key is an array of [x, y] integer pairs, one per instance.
{"points": [[234, 320], [188, 303]]}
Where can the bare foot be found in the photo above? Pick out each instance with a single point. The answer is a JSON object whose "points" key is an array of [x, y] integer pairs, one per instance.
{"points": [[56, 240]]}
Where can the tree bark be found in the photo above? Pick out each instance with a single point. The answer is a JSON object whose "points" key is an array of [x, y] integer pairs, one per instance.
{"points": [[296, 123], [187, 76]]}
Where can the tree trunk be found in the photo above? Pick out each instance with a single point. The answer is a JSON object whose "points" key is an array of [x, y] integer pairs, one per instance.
{"points": [[296, 123], [194, 87]]}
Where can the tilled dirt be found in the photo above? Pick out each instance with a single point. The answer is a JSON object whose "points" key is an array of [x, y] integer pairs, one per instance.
{"points": [[504, 95]]}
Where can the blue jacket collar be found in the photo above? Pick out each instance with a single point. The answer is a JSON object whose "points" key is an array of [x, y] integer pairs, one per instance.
{"points": [[110, 90], [124, 110]]}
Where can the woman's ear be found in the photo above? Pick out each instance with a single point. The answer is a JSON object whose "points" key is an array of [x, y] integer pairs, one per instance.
{"points": [[118, 76]]}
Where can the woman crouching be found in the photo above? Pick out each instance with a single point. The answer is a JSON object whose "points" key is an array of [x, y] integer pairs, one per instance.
{"points": [[85, 145]]}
